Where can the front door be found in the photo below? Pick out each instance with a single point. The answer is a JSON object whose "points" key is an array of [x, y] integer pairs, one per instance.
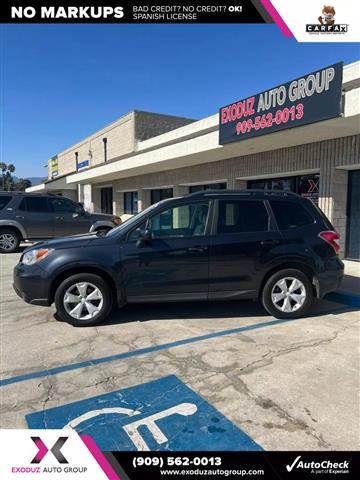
{"points": [[240, 248], [175, 264], [69, 218]]}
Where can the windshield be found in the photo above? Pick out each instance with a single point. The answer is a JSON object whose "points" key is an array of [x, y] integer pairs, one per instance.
{"points": [[124, 226]]}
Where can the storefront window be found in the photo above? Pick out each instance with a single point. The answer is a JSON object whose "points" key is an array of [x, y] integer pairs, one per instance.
{"points": [[353, 244], [131, 202], [209, 186], [160, 194], [304, 185]]}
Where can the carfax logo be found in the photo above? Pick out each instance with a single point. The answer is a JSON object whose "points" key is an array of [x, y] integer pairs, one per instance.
{"points": [[327, 23], [325, 466]]}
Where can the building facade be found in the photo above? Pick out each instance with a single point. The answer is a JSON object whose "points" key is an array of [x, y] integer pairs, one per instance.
{"points": [[147, 157]]}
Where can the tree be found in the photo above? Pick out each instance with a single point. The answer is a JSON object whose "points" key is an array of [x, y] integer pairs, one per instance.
{"points": [[7, 179], [22, 184], [3, 168]]}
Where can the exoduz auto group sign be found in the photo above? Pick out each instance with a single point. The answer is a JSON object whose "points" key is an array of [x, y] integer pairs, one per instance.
{"points": [[311, 98]]}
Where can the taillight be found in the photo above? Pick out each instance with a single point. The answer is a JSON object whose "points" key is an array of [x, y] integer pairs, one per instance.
{"points": [[332, 238]]}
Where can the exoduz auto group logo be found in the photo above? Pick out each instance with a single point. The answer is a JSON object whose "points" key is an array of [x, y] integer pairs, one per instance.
{"points": [[326, 23], [318, 467]]}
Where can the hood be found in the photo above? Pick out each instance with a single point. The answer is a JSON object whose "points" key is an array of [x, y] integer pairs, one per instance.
{"points": [[68, 242]]}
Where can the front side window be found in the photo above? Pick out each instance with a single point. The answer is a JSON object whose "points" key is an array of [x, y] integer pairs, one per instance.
{"points": [[63, 205], [290, 215], [182, 221], [131, 202], [242, 216], [34, 204]]}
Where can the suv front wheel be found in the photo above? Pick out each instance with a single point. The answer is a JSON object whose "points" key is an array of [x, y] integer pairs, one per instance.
{"points": [[287, 294], [83, 300], [9, 241]]}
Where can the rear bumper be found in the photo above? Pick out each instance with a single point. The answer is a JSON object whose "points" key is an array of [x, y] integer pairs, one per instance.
{"points": [[330, 278], [31, 285]]}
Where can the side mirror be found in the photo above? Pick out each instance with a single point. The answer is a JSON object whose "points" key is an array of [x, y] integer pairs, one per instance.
{"points": [[145, 237]]}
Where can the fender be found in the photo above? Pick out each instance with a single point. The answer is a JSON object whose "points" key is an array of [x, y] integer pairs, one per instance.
{"points": [[101, 223], [14, 223]]}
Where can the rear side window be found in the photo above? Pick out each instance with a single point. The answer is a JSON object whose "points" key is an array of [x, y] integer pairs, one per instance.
{"points": [[4, 200], [290, 215], [241, 216], [34, 204]]}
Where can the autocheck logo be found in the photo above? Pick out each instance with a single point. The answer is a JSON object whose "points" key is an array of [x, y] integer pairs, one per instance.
{"points": [[325, 466]]}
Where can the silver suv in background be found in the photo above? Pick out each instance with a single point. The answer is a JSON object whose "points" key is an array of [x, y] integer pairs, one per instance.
{"points": [[29, 216]]}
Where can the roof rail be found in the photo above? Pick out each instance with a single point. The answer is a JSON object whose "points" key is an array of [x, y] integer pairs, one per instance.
{"points": [[249, 192]]}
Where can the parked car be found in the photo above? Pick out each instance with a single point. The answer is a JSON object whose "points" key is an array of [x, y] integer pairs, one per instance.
{"points": [[29, 216], [270, 246]]}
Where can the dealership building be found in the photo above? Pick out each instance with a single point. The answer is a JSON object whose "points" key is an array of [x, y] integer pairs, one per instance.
{"points": [[144, 157]]}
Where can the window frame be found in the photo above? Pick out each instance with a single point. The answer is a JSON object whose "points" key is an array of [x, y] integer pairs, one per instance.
{"points": [[271, 225], [208, 225]]}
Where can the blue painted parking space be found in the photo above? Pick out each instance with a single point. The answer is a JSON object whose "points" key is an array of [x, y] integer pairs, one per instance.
{"points": [[163, 414]]}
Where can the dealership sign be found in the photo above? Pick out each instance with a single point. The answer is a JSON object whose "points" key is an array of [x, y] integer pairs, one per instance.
{"points": [[311, 98]]}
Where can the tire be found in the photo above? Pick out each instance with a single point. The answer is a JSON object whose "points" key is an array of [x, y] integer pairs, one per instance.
{"points": [[79, 287], [280, 301], [9, 240]]}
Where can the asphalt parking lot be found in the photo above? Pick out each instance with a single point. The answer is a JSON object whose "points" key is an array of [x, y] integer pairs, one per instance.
{"points": [[255, 381]]}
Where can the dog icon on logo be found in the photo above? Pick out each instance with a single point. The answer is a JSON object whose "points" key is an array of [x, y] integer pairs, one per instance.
{"points": [[328, 16]]}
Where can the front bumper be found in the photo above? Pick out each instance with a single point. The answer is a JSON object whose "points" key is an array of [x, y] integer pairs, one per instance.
{"points": [[329, 279], [31, 283]]}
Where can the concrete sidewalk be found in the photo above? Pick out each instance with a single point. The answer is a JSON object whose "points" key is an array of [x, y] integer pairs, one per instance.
{"points": [[351, 281]]}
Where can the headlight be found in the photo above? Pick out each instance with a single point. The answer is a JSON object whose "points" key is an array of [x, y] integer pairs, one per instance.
{"points": [[33, 256], [117, 221]]}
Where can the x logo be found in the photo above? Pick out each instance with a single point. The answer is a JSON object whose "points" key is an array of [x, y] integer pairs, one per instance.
{"points": [[43, 450]]}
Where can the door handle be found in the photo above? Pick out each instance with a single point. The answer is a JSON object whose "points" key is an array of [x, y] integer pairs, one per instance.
{"points": [[197, 249], [59, 218], [19, 216], [270, 242]]}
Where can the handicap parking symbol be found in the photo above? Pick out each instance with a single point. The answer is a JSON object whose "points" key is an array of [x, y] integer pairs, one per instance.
{"points": [[162, 414]]}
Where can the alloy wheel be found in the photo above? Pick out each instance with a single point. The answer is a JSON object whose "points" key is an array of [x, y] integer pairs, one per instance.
{"points": [[83, 301], [288, 294], [7, 241]]}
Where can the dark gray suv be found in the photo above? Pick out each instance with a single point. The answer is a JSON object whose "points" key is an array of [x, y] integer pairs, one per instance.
{"points": [[29, 216]]}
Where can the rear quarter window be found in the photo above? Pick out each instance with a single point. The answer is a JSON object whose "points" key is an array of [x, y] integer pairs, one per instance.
{"points": [[290, 215], [4, 200]]}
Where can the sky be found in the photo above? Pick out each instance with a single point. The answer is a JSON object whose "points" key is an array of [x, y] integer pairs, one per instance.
{"points": [[60, 83]]}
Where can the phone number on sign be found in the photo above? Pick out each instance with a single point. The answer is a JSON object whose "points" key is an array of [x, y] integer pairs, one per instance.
{"points": [[296, 112], [176, 461]]}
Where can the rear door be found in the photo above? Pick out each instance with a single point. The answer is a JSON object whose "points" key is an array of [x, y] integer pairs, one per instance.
{"points": [[69, 220], [243, 244], [35, 215]]}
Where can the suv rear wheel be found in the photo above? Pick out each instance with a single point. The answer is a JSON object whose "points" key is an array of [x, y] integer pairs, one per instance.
{"points": [[9, 240], [83, 300], [287, 294]]}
